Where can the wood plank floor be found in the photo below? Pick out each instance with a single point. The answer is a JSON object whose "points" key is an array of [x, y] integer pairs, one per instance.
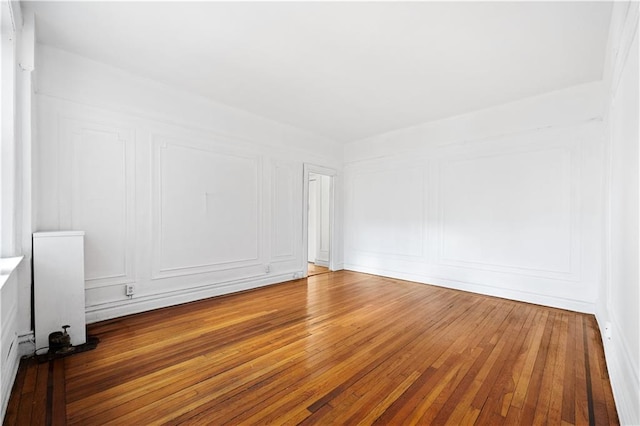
{"points": [[313, 269], [336, 348]]}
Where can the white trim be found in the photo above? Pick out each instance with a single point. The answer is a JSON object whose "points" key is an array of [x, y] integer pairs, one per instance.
{"points": [[164, 118], [623, 368], [7, 266], [160, 142], [487, 290], [156, 301], [626, 37], [57, 234], [623, 374]]}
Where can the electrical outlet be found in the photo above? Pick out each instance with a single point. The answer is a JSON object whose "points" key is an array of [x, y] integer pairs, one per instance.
{"points": [[607, 330], [267, 269], [129, 289]]}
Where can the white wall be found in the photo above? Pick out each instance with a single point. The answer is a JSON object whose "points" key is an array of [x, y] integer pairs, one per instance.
{"points": [[7, 148], [183, 197], [617, 309], [507, 201], [15, 168], [504, 201]]}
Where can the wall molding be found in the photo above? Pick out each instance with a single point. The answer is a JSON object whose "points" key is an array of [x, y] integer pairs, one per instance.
{"points": [[276, 193], [423, 182], [483, 289], [622, 366], [623, 372], [71, 131], [80, 98], [625, 41], [160, 143], [307, 170], [160, 300], [569, 151], [430, 149], [146, 133], [559, 268]]}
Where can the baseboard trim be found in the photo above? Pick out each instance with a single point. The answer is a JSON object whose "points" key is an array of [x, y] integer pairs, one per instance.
{"points": [[520, 296], [162, 300], [623, 374], [338, 266]]}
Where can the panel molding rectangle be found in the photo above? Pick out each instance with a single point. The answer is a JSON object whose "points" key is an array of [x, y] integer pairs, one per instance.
{"points": [[204, 159], [374, 195], [97, 177], [285, 214], [552, 162]]}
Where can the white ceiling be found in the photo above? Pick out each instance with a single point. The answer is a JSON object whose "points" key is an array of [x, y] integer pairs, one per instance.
{"points": [[342, 70]]}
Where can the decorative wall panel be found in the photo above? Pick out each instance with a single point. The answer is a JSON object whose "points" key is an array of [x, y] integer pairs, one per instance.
{"points": [[98, 176], [509, 212], [387, 213], [512, 216], [285, 214], [206, 208]]}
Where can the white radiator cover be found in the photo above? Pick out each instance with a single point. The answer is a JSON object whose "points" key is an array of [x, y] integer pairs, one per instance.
{"points": [[58, 274]]}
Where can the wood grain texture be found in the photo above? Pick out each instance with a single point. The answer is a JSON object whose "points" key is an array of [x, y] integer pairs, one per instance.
{"points": [[336, 348], [313, 269]]}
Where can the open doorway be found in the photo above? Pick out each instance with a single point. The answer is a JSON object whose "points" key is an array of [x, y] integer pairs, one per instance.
{"points": [[318, 219]]}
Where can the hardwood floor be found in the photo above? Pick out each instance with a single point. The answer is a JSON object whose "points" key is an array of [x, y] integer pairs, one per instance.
{"points": [[336, 348], [313, 269]]}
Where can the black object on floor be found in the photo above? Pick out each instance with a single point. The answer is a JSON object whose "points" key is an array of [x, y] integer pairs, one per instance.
{"points": [[92, 343]]}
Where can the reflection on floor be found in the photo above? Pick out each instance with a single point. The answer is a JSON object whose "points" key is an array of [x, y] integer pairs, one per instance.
{"points": [[313, 269], [340, 348]]}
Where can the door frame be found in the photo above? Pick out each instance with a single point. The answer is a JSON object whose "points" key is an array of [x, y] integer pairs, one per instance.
{"points": [[331, 173]]}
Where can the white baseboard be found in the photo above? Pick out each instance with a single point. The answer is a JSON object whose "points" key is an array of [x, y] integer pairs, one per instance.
{"points": [[156, 301], [321, 263], [623, 373], [538, 299]]}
